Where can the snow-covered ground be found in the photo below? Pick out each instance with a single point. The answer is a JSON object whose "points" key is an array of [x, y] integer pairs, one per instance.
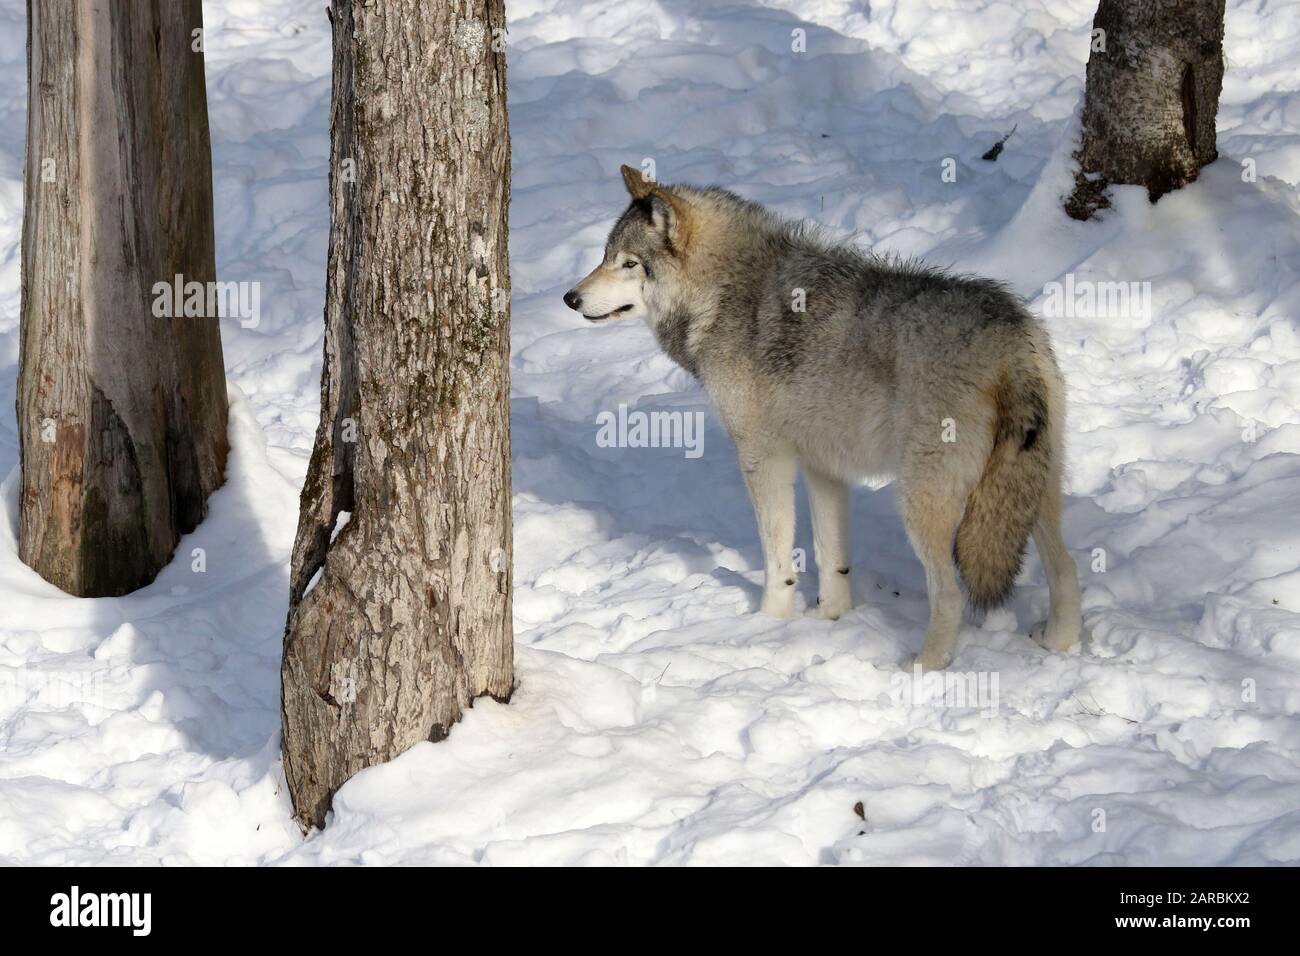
{"points": [[658, 719]]}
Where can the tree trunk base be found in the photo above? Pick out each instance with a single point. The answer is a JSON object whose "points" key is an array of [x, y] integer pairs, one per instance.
{"points": [[1154, 77], [121, 412], [401, 617]]}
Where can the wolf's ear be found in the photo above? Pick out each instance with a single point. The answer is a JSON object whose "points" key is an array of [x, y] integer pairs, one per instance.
{"points": [[662, 214], [637, 185], [670, 216]]}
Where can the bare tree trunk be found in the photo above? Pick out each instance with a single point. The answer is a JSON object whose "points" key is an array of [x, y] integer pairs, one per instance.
{"points": [[1154, 76], [401, 618], [121, 415]]}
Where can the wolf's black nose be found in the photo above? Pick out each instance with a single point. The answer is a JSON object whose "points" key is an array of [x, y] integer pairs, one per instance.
{"points": [[572, 299]]}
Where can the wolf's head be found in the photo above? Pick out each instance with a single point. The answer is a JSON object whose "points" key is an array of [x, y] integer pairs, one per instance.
{"points": [[644, 247]]}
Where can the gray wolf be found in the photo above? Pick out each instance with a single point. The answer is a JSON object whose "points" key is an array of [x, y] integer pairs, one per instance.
{"points": [[844, 366]]}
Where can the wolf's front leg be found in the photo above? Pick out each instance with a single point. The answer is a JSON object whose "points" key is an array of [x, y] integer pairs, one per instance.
{"points": [[770, 479], [830, 514]]}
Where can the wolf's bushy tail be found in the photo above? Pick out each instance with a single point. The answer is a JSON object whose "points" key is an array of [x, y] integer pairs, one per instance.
{"points": [[1001, 511]]}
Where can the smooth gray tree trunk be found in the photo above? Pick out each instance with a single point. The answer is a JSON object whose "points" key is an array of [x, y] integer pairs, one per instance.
{"points": [[401, 617], [121, 415], [1152, 98]]}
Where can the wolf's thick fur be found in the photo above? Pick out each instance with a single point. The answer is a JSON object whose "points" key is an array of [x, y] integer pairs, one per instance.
{"points": [[846, 366]]}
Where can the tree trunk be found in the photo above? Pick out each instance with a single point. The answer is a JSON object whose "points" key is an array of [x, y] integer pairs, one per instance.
{"points": [[1154, 76], [399, 620], [121, 415]]}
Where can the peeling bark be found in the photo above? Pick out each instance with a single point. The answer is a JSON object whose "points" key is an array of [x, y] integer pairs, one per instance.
{"points": [[409, 616], [121, 415], [1152, 98]]}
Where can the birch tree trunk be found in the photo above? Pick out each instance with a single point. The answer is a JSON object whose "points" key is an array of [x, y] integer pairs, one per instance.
{"points": [[400, 616], [121, 415], [1154, 75]]}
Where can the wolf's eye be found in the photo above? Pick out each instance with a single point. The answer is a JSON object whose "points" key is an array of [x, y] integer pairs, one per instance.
{"points": [[631, 264]]}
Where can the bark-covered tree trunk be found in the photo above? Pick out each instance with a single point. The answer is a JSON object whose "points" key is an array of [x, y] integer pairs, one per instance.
{"points": [[1154, 76], [400, 616], [121, 415]]}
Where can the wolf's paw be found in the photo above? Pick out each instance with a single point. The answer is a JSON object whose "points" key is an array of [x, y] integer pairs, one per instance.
{"points": [[1054, 637], [834, 600], [930, 660], [832, 609], [779, 602]]}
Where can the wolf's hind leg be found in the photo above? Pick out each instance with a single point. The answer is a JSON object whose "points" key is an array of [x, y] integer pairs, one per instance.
{"points": [[1061, 629], [770, 479], [931, 516], [829, 498]]}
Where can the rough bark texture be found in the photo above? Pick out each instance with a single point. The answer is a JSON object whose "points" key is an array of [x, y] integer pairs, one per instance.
{"points": [[1152, 97], [409, 616], [121, 415]]}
